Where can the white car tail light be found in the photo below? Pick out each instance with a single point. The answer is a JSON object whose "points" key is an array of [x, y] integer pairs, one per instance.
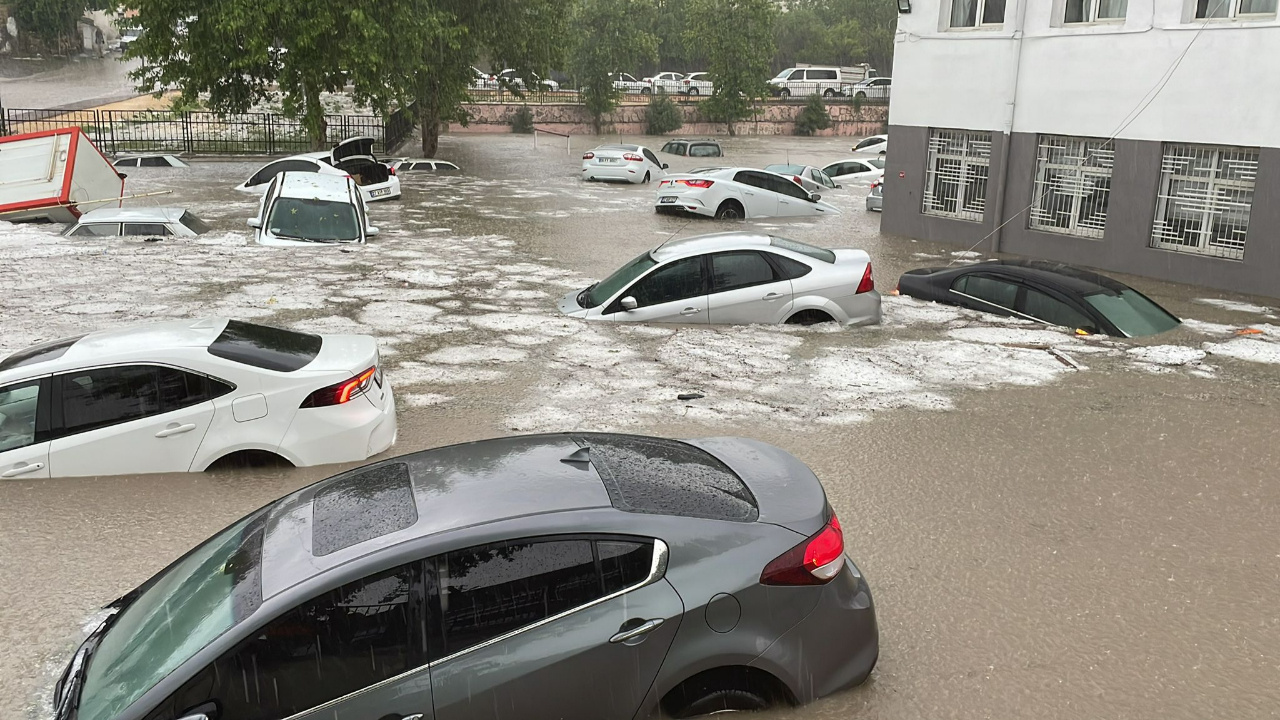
{"points": [[697, 183], [813, 562], [342, 392], [588, 156], [632, 157], [868, 283]]}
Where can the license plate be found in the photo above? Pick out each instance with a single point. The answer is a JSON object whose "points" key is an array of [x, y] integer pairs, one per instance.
{"points": [[667, 199], [383, 192], [607, 160]]}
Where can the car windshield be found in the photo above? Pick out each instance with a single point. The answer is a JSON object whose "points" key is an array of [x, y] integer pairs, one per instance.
{"points": [[784, 74], [600, 293], [177, 614], [876, 163], [314, 220], [1133, 313], [785, 169]]}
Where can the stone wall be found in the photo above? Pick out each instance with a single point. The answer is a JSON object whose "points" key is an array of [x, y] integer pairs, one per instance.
{"points": [[773, 119]]}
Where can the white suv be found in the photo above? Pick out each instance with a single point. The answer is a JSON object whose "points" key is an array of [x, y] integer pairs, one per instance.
{"points": [[825, 81], [309, 209], [180, 396]]}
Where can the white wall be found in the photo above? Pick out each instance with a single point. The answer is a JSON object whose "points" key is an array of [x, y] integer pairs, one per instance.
{"points": [[1085, 80]]}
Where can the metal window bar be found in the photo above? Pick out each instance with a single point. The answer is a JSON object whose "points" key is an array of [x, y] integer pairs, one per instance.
{"points": [[1072, 186], [957, 173], [1206, 194]]}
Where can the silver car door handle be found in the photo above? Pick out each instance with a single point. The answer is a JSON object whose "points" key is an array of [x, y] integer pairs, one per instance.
{"points": [[29, 468], [772, 296], [176, 430], [690, 311], [637, 631]]}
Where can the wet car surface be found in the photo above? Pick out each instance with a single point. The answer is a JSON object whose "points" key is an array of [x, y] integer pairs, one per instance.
{"points": [[1044, 539]]}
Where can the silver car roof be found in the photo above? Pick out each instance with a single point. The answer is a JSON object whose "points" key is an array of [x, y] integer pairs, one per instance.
{"points": [[702, 244], [133, 214]]}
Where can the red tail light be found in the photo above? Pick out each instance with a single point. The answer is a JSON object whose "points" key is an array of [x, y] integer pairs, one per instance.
{"points": [[868, 283], [588, 155], [798, 180], [632, 157], [813, 562], [688, 82], [697, 183], [875, 184], [343, 392], [391, 170]]}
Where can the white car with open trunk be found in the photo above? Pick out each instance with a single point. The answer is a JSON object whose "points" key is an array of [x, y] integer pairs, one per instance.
{"points": [[181, 396], [354, 157]]}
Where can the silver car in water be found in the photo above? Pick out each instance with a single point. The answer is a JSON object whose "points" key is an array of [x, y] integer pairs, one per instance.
{"points": [[574, 576], [735, 278]]}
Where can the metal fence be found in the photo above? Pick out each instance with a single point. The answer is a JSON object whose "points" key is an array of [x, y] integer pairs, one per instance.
{"points": [[573, 97], [136, 131]]}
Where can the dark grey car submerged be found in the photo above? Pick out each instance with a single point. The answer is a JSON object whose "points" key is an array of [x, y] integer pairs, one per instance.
{"points": [[552, 576]]}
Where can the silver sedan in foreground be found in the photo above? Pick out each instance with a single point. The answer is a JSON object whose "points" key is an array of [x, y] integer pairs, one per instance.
{"points": [[735, 278]]}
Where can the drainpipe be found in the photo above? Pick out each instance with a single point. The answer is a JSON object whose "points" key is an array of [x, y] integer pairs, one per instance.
{"points": [[1020, 17]]}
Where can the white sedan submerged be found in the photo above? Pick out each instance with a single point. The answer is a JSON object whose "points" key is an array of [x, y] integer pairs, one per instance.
{"points": [[180, 396], [734, 278], [737, 193], [627, 163]]}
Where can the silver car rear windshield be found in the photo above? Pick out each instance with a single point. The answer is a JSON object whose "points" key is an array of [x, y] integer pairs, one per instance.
{"points": [[796, 246]]}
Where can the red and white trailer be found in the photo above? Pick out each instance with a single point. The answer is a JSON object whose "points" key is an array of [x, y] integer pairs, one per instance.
{"points": [[55, 176]]}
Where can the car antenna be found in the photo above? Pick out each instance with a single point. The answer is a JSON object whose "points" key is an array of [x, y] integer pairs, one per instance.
{"points": [[674, 234], [580, 456]]}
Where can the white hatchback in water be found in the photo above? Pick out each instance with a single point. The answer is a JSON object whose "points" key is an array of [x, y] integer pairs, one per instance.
{"points": [[180, 396], [301, 209], [735, 278], [626, 163], [737, 193]]}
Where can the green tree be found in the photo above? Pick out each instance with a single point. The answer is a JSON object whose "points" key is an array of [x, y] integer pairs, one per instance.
{"points": [[615, 38], [51, 19], [813, 116], [836, 32], [737, 36], [662, 116]]}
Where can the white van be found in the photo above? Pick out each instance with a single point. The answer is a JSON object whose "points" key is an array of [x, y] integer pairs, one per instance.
{"points": [[824, 80]]}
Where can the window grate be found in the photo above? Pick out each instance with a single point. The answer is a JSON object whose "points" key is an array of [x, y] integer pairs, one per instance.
{"points": [[1087, 11], [956, 177], [1072, 185], [1205, 197], [1222, 9]]}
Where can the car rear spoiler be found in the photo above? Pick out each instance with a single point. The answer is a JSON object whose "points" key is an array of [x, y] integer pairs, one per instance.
{"points": [[786, 490]]}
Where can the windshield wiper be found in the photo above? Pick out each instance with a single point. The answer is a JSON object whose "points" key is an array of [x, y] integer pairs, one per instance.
{"points": [[314, 240], [67, 692], [582, 296]]}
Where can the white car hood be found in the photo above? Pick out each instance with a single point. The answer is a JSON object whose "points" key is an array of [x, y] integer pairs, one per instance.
{"points": [[569, 305]]}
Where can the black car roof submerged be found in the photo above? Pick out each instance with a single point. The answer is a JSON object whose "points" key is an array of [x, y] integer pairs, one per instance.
{"points": [[1062, 276]]}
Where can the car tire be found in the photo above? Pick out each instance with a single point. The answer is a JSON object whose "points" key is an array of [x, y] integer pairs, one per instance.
{"points": [[724, 700], [784, 93], [861, 95], [730, 210], [693, 91], [828, 93], [646, 91]]}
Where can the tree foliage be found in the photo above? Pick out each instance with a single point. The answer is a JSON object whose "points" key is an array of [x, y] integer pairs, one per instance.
{"points": [[662, 116], [737, 36], [813, 117], [836, 32], [522, 120], [51, 19], [613, 37]]}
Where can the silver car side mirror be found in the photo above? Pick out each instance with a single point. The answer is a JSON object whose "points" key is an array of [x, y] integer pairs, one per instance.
{"points": [[371, 231], [629, 303], [666, 166], [815, 197], [253, 223]]}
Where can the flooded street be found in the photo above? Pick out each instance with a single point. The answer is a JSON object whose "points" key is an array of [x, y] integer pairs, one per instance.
{"points": [[1092, 536], [75, 83]]}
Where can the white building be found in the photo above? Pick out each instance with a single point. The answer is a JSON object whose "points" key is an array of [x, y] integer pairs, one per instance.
{"points": [[1002, 118]]}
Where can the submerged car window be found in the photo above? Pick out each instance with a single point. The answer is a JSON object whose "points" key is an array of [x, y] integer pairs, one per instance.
{"points": [[1053, 311], [152, 229], [623, 564], [876, 163], [791, 269], [18, 405], [786, 186], [40, 353], [704, 150], [680, 280], [340, 642], [998, 292], [275, 168], [490, 591], [606, 288], [314, 220], [796, 246], [154, 162], [1133, 313], [97, 230], [266, 347], [178, 612], [131, 162], [869, 142], [741, 269], [194, 224], [93, 399]]}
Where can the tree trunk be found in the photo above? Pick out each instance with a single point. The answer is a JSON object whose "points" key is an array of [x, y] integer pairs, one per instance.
{"points": [[313, 117], [429, 121]]}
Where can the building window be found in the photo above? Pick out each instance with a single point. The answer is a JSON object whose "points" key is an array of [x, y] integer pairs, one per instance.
{"points": [[1072, 185], [1205, 197], [1087, 11], [1206, 9], [956, 178], [975, 13]]}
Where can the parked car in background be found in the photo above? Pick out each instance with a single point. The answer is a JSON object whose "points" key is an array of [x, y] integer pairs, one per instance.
{"points": [[627, 83], [693, 148], [875, 198], [824, 80], [668, 82], [698, 83], [150, 161], [354, 157], [407, 165], [734, 278], [807, 176], [128, 34], [423, 573], [483, 80], [873, 88], [180, 396], [628, 163], [300, 209], [146, 221], [508, 78], [855, 169], [874, 145], [1045, 292], [738, 193]]}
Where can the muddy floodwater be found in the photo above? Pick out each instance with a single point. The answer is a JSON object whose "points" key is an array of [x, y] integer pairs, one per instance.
{"points": [[1052, 526]]}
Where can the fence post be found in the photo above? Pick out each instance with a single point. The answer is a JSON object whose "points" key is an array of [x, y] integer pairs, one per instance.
{"points": [[111, 128], [271, 133], [186, 132]]}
